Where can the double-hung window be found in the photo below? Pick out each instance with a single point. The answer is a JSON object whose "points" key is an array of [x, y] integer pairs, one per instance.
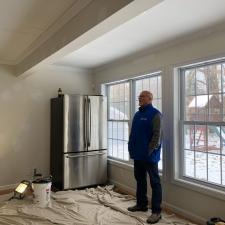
{"points": [[203, 123], [122, 104], [118, 118], [151, 83]]}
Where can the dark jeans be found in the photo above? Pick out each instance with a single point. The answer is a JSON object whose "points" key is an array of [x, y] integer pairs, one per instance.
{"points": [[140, 172]]}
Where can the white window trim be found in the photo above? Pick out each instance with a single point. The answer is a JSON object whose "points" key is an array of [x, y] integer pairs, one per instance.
{"points": [[177, 178], [104, 91]]}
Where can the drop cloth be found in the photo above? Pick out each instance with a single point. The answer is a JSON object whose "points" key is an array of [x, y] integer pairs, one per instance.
{"points": [[92, 206]]}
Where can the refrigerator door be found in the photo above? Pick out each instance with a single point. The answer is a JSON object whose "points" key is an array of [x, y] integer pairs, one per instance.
{"points": [[74, 123], [96, 123], [85, 169]]}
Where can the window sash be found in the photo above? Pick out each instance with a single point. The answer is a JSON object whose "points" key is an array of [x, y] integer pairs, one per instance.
{"points": [[132, 98], [198, 154]]}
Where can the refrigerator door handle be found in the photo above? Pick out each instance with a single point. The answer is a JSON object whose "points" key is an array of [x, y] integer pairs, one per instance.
{"points": [[89, 122], [85, 123], [77, 156]]}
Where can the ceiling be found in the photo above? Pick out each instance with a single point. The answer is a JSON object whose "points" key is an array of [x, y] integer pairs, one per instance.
{"points": [[23, 22], [166, 22], [26, 24]]}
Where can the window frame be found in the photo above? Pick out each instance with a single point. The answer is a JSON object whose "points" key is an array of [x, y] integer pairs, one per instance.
{"points": [[114, 120], [181, 81], [132, 109]]}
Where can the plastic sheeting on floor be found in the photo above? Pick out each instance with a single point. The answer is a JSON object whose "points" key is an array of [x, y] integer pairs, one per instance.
{"points": [[92, 206]]}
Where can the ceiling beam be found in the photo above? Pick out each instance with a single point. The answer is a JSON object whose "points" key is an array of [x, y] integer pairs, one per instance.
{"points": [[97, 18]]}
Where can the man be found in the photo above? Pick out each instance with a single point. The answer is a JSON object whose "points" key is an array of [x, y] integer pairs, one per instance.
{"points": [[144, 147]]}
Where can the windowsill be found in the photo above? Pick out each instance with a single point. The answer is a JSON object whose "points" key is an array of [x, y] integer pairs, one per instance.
{"points": [[123, 165], [202, 189]]}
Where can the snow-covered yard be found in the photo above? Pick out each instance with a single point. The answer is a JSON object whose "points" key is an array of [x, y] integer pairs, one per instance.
{"points": [[205, 159]]}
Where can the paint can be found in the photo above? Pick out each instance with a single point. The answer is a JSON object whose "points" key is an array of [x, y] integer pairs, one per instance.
{"points": [[42, 192]]}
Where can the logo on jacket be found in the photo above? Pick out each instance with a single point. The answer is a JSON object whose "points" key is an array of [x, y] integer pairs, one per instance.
{"points": [[143, 118]]}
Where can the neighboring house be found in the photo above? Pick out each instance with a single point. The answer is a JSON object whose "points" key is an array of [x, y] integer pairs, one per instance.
{"points": [[199, 108], [202, 106], [117, 114]]}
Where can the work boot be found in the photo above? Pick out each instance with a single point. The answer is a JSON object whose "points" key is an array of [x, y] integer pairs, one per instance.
{"points": [[137, 208], [154, 218]]}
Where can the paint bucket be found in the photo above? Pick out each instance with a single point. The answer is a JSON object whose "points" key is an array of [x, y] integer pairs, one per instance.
{"points": [[42, 192]]}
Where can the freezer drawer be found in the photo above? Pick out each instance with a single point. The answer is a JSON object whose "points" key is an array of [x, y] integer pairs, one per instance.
{"points": [[85, 169]]}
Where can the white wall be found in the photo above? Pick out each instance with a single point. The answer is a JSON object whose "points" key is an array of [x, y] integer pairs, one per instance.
{"points": [[196, 203], [25, 118]]}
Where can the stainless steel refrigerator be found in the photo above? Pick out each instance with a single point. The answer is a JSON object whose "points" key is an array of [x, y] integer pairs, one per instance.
{"points": [[78, 141]]}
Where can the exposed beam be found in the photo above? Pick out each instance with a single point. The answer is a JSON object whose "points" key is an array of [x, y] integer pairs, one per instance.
{"points": [[97, 18], [91, 15]]}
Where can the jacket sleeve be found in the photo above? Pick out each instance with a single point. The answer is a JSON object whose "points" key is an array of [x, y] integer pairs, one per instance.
{"points": [[130, 148], [130, 140], [157, 133]]}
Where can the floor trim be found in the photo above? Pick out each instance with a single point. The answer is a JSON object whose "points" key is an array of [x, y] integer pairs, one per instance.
{"points": [[7, 188]]}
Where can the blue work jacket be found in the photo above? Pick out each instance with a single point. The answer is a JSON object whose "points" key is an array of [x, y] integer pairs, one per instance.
{"points": [[141, 134]]}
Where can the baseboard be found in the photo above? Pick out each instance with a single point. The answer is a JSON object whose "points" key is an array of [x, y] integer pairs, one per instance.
{"points": [[180, 212], [185, 214], [8, 187], [123, 187], [127, 189]]}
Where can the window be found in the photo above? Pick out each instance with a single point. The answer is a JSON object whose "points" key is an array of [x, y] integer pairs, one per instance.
{"points": [[118, 118], [122, 104], [152, 83], [203, 123]]}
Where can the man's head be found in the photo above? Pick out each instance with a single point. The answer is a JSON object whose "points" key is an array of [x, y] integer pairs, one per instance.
{"points": [[145, 98]]}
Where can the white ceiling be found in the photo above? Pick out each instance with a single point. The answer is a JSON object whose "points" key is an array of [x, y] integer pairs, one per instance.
{"points": [[22, 22], [165, 22], [26, 24]]}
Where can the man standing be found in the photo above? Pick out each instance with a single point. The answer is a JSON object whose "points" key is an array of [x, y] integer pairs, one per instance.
{"points": [[144, 147]]}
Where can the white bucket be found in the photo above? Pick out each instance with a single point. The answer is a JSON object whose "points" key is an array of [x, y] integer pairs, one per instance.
{"points": [[42, 193]]}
